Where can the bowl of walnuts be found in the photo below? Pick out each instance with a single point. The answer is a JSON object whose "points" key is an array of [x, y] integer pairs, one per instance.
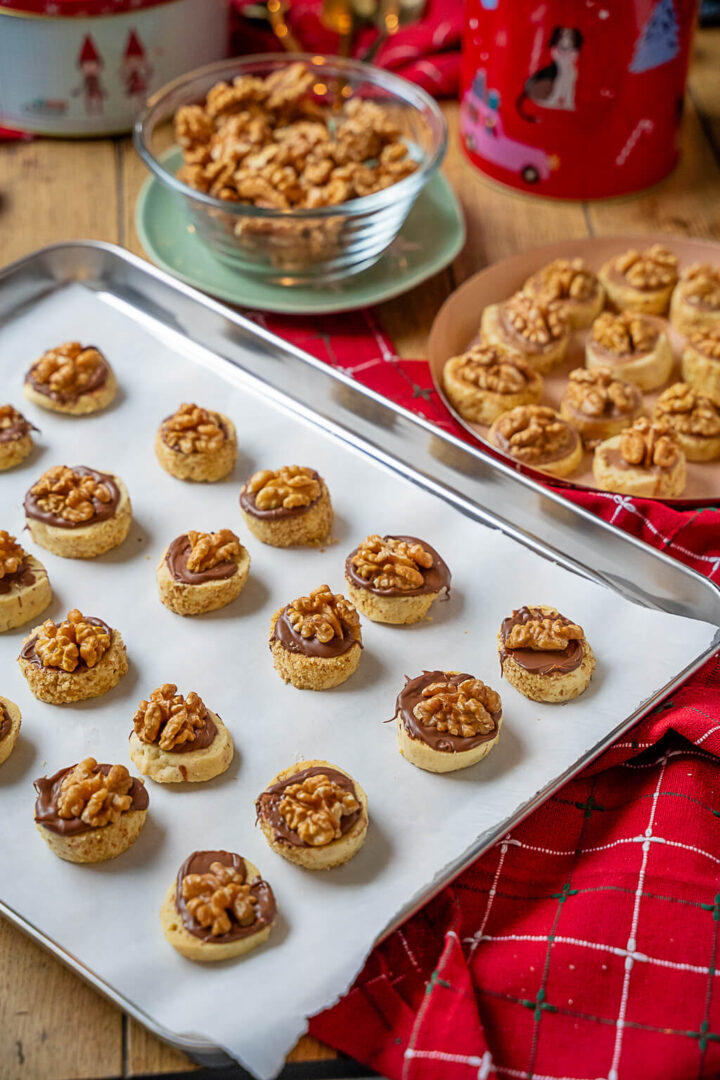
{"points": [[297, 168]]}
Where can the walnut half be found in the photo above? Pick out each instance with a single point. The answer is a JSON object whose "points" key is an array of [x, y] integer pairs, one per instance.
{"points": [[538, 319], [597, 392], [654, 268], [322, 615], [564, 279], [68, 368], [391, 563], [706, 341], [11, 554], [72, 642], [93, 796], [69, 494], [543, 633], [169, 719], [314, 809], [624, 333], [192, 430], [492, 367], [649, 443], [463, 709], [210, 549], [216, 898], [535, 433], [688, 412], [291, 487], [701, 285]]}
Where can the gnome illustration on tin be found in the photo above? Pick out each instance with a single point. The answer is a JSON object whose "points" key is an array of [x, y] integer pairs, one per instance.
{"points": [[91, 64], [553, 86], [135, 70]]}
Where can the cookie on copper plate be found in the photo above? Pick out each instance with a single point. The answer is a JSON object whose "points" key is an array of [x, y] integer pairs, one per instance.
{"points": [[695, 303], [287, 507], [16, 440], [10, 721], [395, 579], [598, 404], [447, 720], [24, 584], [77, 512], [202, 571], [701, 362], [539, 437], [694, 417], [314, 814], [487, 380], [196, 444], [90, 812], [636, 348], [645, 460], [545, 655], [641, 281], [536, 326], [177, 738], [316, 641], [71, 378], [79, 658], [572, 283], [218, 907]]}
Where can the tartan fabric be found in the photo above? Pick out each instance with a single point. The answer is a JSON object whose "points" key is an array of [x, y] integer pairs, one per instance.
{"points": [[585, 943]]}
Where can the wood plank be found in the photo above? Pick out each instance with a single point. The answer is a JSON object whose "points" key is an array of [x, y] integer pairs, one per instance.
{"points": [[53, 190], [40, 1003]]}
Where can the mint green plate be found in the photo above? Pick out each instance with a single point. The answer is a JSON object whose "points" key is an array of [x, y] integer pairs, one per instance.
{"points": [[430, 239]]}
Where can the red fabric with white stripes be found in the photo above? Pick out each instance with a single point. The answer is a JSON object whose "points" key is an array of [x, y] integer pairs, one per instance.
{"points": [[585, 944]]}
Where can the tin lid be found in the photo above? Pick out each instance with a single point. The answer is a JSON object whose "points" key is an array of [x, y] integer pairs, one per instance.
{"points": [[68, 8]]}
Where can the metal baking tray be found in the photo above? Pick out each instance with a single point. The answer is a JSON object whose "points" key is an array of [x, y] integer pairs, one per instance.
{"points": [[481, 488]]}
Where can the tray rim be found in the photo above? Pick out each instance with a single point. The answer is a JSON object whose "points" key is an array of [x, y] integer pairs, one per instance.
{"points": [[545, 252], [198, 1048]]}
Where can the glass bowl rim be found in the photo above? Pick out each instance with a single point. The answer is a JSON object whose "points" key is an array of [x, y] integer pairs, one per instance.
{"points": [[407, 91]]}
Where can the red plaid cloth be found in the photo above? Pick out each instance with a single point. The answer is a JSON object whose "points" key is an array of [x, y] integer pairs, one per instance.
{"points": [[583, 945]]}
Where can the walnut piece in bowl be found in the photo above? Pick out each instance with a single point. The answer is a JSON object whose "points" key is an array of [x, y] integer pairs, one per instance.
{"points": [[177, 738], [298, 172]]}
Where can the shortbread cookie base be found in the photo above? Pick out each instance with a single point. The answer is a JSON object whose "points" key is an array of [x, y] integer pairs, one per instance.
{"points": [[85, 404], [311, 527], [394, 610], [648, 371], [687, 317], [483, 406], [699, 447], [12, 453], [312, 672], [186, 599], [623, 297], [97, 845], [25, 602], [193, 766], [7, 745], [194, 948], [86, 541], [701, 372], [646, 483], [61, 687], [581, 313], [549, 688], [425, 757], [329, 855], [543, 360], [201, 467]]}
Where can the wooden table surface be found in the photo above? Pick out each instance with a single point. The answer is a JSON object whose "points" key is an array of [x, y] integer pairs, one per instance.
{"points": [[53, 1026]]}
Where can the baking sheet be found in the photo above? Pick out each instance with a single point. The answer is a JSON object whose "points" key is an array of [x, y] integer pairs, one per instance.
{"points": [[107, 915]]}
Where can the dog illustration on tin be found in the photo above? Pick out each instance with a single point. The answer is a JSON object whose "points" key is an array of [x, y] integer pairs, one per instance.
{"points": [[553, 86]]}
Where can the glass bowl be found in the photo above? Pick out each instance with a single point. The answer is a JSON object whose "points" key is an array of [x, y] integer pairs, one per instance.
{"points": [[299, 246]]}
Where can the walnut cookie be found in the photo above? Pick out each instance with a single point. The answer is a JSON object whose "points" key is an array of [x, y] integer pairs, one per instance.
{"points": [[574, 285], [88, 813], [487, 380], [80, 658], [645, 459], [218, 908], [695, 303], [314, 814], [77, 512], [447, 720], [10, 721], [287, 507], [202, 571], [71, 378], [696, 420], [641, 281], [316, 640], [24, 584], [16, 440], [539, 437], [544, 655], [635, 347], [701, 362], [196, 444], [598, 404], [176, 738], [395, 579], [536, 326]]}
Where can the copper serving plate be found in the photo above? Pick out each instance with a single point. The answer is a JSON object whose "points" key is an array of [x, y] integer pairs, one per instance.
{"points": [[457, 323]]}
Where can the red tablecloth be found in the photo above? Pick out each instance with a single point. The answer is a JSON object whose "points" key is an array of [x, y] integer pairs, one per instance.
{"points": [[584, 945]]}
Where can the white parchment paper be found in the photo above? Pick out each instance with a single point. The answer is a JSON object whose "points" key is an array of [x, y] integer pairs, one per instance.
{"points": [[107, 915]]}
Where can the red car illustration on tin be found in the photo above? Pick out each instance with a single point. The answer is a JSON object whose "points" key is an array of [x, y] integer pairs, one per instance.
{"points": [[484, 134]]}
